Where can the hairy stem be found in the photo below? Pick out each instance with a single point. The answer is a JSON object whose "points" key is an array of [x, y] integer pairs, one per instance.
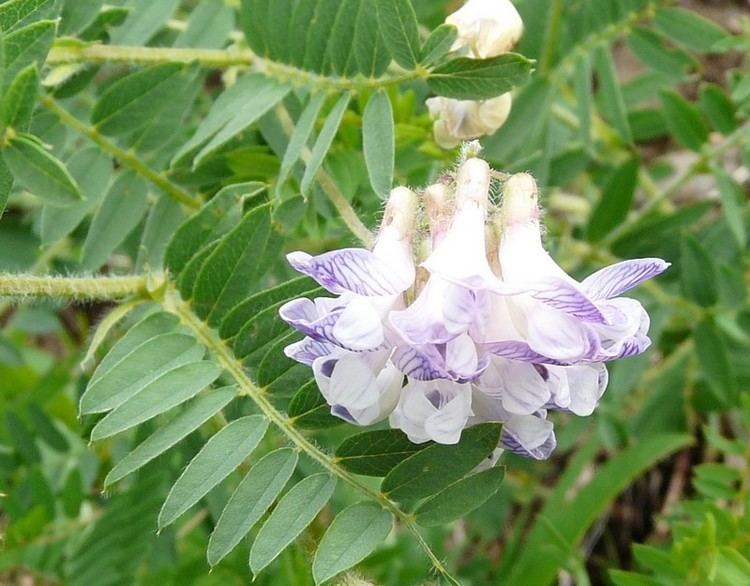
{"points": [[335, 195], [127, 158], [225, 357], [72, 288], [222, 58]]}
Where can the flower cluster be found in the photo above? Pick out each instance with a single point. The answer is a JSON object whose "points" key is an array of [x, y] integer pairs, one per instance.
{"points": [[486, 28], [487, 327]]}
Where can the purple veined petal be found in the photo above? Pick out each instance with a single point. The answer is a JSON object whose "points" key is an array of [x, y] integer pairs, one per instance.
{"points": [[389, 382], [353, 270], [631, 347], [529, 436], [308, 350], [516, 350], [417, 364], [566, 297], [303, 315], [626, 334], [615, 279]]}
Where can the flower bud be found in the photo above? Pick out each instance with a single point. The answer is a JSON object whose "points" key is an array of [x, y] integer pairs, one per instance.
{"points": [[459, 120], [487, 27], [520, 200]]}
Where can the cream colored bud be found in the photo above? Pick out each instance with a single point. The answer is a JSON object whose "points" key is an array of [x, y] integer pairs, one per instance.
{"points": [[400, 211], [520, 199], [460, 120], [438, 206], [473, 184], [487, 27]]}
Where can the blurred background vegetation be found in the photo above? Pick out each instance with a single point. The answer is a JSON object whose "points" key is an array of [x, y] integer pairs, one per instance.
{"points": [[635, 124]]}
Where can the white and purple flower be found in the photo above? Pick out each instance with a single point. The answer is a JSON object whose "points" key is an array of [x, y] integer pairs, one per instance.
{"points": [[485, 329]]}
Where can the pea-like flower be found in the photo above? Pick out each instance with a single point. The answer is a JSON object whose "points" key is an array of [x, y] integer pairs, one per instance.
{"points": [[460, 120], [488, 28], [484, 329]]}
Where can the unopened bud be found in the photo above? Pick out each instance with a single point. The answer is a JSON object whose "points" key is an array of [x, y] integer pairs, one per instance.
{"points": [[460, 120], [400, 212], [472, 184], [438, 206], [520, 199], [487, 27]]}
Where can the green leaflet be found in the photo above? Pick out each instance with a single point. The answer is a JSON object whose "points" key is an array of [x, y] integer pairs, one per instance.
{"points": [[162, 394], [191, 418], [237, 108], [40, 172], [438, 44], [352, 536], [684, 120], [133, 100], [144, 21], [148, 327], [92, 169], [163, 219], [714, 360], [210, 222], [298, 140], [19, 100], [234, 267], [436, 467], [323, 143], [376, 453], [689, 29], [217, 459], [244, 313], [138, 368], [378, 142], [609, 97], [25, 46], [399, 26], [14, 12], [121, 211], [616, 200], [697, 273], [479, 79], [460, 498], [249, 502], [208, 26], [295, 511]]}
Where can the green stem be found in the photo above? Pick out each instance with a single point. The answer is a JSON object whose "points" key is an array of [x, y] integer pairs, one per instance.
{"points": [[72, 288], [225, 357], [127, 158], [221, 58], [329, 186]]}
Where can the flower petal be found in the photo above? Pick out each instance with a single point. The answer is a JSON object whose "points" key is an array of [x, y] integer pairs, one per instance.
{"points": [[421, 365], [446, 424], [559, 336], [354, 270], [615, 279], [587, 384], [303, 315], [524, 390], [529, 436], [516, 350], [308, 350], [352, 384], [359, 326], [566, 297]]}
